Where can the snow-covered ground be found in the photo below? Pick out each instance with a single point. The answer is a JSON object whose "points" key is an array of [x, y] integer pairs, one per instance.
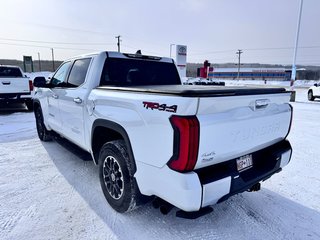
{"points": [[47, 192]]}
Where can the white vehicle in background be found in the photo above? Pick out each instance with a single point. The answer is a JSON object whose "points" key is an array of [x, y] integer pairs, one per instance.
{"points": [[314, 92], [15, 86]]}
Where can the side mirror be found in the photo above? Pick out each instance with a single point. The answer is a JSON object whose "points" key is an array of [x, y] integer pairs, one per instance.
{"points": [[316, 85], [39, 82]]}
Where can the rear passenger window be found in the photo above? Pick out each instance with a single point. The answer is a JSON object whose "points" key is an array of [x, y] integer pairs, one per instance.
{"points": [[78, 72]]}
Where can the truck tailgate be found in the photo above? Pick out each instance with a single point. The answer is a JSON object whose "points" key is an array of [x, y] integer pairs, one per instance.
{"points": [[233, 126], [14, 85]]}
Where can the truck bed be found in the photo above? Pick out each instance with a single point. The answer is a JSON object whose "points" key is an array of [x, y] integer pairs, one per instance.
{"points": [[234, 121], [196, 91]]}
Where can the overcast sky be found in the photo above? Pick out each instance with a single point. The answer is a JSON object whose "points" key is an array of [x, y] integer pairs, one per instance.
{"points": [[212, 29]]}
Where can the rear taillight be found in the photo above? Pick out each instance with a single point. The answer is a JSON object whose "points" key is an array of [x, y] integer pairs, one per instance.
{"points": [[30, 85], [186, 143]]}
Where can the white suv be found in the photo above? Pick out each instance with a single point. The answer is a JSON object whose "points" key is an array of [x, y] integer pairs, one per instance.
{"points": [[314, 92]]}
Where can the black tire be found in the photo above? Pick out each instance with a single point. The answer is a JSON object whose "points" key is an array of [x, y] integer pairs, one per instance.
{"points": [[310, 96], [43, 133], [29, 105], [116, 177]]}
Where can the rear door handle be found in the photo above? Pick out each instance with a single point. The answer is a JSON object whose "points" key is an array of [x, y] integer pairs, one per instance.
{"points": [[55, 96], [77, 100], [6, 83], [262, 103]]}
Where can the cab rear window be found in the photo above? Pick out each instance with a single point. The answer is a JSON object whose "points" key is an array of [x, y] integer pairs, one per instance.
{"points": [[10, 72], [138, 72]]}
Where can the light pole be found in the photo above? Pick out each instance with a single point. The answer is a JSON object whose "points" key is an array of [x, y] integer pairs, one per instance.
{"points": [[172, 44], [39, 62], [294, 69], [239, 56], [52, 55]]}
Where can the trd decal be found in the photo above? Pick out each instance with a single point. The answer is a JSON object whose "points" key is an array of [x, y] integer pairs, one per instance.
{"points": [[160, 107]]}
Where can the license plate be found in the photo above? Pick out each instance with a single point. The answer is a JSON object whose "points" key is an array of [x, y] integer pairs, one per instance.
{"points": [[244, 162]]}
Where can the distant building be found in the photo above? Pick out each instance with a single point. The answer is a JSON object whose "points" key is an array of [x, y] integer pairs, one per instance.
{"points": [[245, 73], [251, 73]]}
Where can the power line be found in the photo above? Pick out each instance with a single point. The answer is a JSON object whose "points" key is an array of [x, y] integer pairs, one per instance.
{"points": [[144, 41], [65, 43], [25, 45], [252, 49], [209, 52], [280, 48], [143, 51], [63, 28], [67, 48]]}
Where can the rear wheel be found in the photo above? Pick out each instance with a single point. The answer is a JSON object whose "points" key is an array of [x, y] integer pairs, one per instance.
{"points": [[29, 104], [310, 96], [116, 177], [43, 133]]}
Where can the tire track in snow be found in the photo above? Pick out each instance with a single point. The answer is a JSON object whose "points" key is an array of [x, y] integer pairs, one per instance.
{"points": [[11, 220], [252, 216]]}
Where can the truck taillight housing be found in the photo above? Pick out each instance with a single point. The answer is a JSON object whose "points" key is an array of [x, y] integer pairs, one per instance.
{"points": [[30, 85], [186, 143]]}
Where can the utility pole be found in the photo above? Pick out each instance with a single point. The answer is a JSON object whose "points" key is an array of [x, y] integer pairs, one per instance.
{"points": [[239, 56], [294, 69], [39, 62], [118, 44], [52, 54]]}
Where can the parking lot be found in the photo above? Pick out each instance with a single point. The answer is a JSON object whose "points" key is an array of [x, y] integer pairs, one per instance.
{"points": [[48, 192]]}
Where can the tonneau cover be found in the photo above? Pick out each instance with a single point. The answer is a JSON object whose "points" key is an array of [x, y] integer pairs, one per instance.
{"points": [[196, 91]]}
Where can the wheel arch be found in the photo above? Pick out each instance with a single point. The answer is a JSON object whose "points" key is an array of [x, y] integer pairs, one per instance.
{"points": [[104, 131], [36, 103]]}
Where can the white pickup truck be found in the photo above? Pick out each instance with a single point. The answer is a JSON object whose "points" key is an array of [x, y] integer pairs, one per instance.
{"points": [[191, 146], [314, 92], [14, 86]]}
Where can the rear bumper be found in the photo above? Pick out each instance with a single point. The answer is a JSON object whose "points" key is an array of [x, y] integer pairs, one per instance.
{"points": [[266, 162], [210, 185], [15, 97]]}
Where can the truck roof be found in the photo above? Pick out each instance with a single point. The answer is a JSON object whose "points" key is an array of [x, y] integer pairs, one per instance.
{"points": [[12, 66], [114, 54]]}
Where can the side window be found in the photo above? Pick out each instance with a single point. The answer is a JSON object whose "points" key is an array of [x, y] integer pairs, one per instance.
{"points": [[78, 72], [58, 79]]}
